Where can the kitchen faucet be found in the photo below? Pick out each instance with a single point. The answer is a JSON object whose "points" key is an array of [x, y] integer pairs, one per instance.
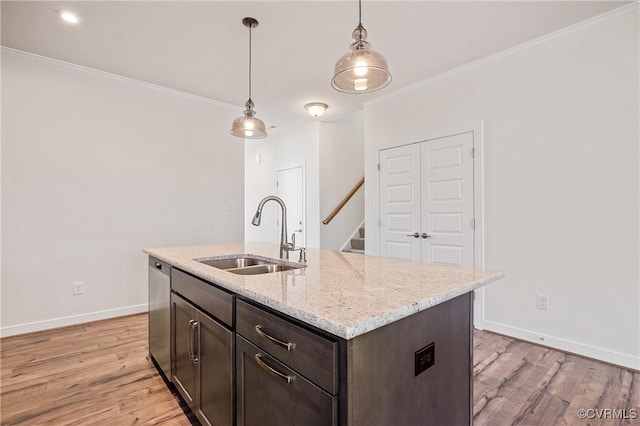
{"points": [[285, 246]]}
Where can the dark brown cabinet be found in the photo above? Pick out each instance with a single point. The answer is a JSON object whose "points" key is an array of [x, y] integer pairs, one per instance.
{"points": [[203, 357], [238, 362], [272, 394]]}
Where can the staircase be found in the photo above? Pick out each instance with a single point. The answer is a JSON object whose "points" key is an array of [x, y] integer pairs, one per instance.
{"points": [[357, 242]]}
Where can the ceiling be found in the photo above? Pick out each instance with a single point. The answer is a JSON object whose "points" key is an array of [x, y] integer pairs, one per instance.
{"points": [[200, 47]]}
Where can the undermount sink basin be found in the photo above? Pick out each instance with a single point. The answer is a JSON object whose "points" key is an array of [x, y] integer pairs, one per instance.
{"points": [[233, 263], [249, 265], [262, 269]]}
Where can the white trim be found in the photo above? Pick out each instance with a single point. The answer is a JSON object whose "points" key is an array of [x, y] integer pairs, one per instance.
{"points": [[478, 215], [606, 355], [353, 234], [118, 77], [29, 327], [515, 49]]}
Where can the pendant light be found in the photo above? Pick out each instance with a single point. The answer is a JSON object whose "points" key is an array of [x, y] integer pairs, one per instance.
{"points": [[248, 126], [362, 70]]}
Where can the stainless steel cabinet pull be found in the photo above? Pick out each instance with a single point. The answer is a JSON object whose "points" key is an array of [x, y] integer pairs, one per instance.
{"points": [[425, 235], [193, 347], [196, 344], [287, 345], [273, 371], [414, 235], [190, 340]]}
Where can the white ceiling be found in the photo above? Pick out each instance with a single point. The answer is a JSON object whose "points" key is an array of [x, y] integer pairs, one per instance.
{"points": [[200, 47]]}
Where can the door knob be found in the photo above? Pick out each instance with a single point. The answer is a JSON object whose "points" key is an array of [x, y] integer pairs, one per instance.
{"points": [[425, 235], [414, 235]]}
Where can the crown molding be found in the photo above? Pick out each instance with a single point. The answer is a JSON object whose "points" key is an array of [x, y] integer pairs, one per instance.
{"points": [[175, 92], [612, 14]]}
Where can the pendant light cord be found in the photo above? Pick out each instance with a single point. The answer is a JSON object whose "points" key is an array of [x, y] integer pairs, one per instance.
{"points": [[360, 12], [250, 61]]}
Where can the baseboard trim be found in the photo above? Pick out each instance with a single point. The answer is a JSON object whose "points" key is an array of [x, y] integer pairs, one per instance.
{"points": [[30, 327], [600, 354]]}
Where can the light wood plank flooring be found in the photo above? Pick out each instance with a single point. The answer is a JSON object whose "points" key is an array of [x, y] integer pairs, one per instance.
{"points": [[98, 373]]}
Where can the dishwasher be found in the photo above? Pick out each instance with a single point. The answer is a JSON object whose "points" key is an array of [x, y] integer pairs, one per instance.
{"points": [[160, 315]]}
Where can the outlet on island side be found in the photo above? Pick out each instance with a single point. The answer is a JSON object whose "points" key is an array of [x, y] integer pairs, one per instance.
{"points": [[542, 302], [425, 358], [78, 288]]}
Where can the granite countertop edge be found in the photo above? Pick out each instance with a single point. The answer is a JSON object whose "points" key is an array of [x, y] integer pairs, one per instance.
{"points": [[344, 331]]}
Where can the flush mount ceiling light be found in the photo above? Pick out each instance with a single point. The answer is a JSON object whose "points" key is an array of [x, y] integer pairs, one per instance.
{"points": [[362, 70], [316, 109], [69, 17], [248, 126]]}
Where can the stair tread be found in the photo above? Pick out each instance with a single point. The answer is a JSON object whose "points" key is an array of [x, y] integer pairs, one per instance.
{"points": [[352, 250]]}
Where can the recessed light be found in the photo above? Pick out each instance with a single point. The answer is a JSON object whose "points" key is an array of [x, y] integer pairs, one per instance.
{"points": [[69, 17]]}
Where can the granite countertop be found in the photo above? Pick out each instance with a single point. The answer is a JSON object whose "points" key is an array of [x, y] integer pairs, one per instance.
{"points": [[345, 294]]}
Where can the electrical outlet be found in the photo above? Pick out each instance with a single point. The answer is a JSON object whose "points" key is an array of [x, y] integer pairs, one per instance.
{"points": [[542, 302], [425, 358], [78, 288]]}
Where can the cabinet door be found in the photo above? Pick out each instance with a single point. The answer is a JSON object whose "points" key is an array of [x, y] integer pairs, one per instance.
{"points": [[215, 363], [270, 394], [184, 375]]}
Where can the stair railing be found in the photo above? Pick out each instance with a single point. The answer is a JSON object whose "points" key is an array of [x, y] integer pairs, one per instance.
{"points": [[344, 201]]}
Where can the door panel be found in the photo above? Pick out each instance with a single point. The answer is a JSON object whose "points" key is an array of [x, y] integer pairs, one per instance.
{"points": [[400, 202], [440, 253], [265, 399], [184, 370], [216, 351], [447, 200]]}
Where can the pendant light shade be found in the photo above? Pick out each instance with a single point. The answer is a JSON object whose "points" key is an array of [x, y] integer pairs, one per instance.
{"points": [[248, 126], [361, 70]]}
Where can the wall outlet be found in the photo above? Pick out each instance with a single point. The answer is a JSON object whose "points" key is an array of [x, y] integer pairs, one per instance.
{"points": [[425, 358], [78, 288], [542, 302]]}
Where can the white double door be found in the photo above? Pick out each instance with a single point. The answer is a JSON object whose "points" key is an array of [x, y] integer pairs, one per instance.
{"points": [[426, 201]]}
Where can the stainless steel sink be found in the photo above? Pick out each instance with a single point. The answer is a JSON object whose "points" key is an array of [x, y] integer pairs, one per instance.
{"points": [[245, 264], [261, 269], [233, 263]]}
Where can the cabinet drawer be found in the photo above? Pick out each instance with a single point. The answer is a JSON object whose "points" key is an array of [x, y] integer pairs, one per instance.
{"points": [[310, 354], [271, 394], [213, 300]]}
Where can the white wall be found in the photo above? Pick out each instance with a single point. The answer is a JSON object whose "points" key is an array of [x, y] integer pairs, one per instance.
{"points": [[94, 169], [341, 167], [562, 180], [277, 152]]}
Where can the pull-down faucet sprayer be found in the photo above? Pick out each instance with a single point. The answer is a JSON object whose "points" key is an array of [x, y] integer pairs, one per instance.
{"points": [[285, 246]]}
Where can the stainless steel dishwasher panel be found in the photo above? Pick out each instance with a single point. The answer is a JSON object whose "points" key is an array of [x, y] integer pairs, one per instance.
{"points": [[160, 315]]}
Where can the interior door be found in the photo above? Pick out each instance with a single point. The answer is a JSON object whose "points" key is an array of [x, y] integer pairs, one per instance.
{"points": [[447, 200], [291, 188], [400, 202]]}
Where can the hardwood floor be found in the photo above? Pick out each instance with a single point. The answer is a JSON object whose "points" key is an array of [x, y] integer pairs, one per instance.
{"points": [[90, 374], [98, 373], [519, 383]]}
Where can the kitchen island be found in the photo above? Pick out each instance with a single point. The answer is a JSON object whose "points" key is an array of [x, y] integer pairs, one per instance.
{"points": [[348, 339]]}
